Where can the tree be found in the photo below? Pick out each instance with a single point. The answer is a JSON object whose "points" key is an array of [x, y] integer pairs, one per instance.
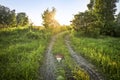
{"points": [[117, 26], [7, 17], [118, 18], [12, 18], [22, 19], [49, 18], [85, 23], [105, 10], [3, 14], [90, 5]]}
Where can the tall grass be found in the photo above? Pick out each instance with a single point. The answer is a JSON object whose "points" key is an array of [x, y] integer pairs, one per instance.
{"points": [[104, 52], [69, 70], [21, 52]]}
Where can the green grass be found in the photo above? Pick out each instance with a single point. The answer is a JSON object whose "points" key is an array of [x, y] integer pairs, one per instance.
{"points": [[104, 52], [68, 69], [21, 52]]}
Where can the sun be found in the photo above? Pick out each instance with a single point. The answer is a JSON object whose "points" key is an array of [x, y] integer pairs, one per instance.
{"points": [[62, 20]]}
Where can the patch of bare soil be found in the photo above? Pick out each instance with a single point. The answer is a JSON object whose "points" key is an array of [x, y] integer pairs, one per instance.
{"points": [[48, 68]]}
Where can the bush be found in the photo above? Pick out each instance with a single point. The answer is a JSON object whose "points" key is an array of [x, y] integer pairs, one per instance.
{"points": [[93, 29], [32, 35], [117, 30]]}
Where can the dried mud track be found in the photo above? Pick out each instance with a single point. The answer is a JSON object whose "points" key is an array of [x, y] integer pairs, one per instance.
{"points": [[83, 63], [48, 68]]}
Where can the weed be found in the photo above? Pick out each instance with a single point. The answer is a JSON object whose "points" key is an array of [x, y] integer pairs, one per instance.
{"points": [[21, 52], [103, 52]]}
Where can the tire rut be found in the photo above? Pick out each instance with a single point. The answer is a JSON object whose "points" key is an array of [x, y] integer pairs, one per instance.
{"points": [[48, 68], [83, 63]]}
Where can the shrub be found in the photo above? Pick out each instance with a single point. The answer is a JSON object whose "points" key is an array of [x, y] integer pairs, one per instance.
{"points": [[32, 35]]}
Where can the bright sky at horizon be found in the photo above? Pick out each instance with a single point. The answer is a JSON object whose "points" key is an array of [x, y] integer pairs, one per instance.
{"points": [[35, 8]]}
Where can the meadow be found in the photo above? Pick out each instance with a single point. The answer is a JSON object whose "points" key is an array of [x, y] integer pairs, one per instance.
{"points": [[104, 52], [21, 52]]}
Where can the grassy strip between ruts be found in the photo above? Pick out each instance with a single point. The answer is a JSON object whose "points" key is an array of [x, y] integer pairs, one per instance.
{"points": [[67, 69], [21, 52], [104, 52]]}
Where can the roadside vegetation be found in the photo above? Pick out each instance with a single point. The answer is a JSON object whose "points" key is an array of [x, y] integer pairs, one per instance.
{"points": [[102, 52], [99, 19], [95, 35], [21, 52], [67, 69]]}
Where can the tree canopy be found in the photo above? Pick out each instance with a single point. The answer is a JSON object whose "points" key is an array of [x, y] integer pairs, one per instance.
{"points": [[8, 18], [49, 18], [22, 19], [100, 16]]}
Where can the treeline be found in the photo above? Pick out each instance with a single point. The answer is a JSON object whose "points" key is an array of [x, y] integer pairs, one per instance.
{"points": [[8, 18], [99, 19]]}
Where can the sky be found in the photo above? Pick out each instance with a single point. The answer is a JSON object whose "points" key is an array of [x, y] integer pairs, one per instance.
{"points": [[66, 9]]}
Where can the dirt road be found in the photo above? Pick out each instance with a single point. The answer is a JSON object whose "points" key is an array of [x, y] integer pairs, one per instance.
{"points": [[49, 67]]}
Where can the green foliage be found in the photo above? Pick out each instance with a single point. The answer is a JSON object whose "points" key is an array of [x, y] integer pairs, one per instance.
{"points": [[118, 18], [90, 5], [7, 17], [21, 53], [33, 35], [105, 10], [86, 24], [116, 26], [60, 78], [103, 52], [22, 19], [93, 29], [79, 74], [99, 19], [49, 20]]}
